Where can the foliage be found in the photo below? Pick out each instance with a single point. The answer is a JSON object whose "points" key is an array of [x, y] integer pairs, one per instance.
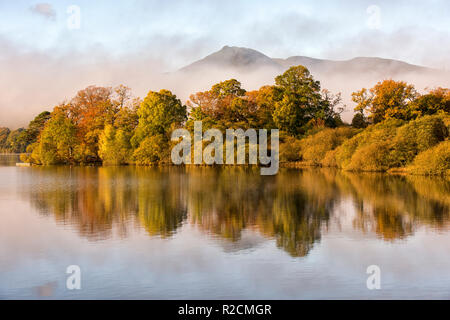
{"points": [[437, 100], [315, 147], [158, 114], [152, 150], [4, 133], [415, 137], [389, 144], [18, 140], [359, 121], [379, 133], [82, 122], [225, 106], [387, 99], [290, 150], [114, 146], [58, 141], [264, 99], [393, 124], [31, 134], [302, 102], [371, 157], [434, 161], [14, 142]]}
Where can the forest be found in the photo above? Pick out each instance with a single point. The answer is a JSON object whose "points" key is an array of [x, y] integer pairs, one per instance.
{"points": [[395, 128]]}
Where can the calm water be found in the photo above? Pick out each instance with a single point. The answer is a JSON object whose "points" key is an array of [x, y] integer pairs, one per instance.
{"points": [[197, 233]]}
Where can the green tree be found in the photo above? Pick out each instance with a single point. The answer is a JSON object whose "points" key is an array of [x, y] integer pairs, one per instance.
{"points": [[4, 133], [15, 142], [31, 134], [302, 102], [58, 140], [158, 114], [114, 146], [152, 150], [228, 88], [359, 121]]}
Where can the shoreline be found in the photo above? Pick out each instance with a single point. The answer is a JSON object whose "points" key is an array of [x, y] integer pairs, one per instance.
{"points": [[284, 165]]}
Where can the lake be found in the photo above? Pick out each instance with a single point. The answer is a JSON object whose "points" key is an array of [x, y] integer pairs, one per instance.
{"points": [[221, 233]]}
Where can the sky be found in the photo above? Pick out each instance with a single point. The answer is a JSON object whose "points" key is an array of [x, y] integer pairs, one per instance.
{"points": [[93, 39]]}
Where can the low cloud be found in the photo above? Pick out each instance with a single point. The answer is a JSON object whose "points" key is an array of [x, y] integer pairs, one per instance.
{"points": [[44, 9]]}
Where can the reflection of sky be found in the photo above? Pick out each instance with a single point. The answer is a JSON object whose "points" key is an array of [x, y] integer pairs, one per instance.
{"points": [[34, 253]]}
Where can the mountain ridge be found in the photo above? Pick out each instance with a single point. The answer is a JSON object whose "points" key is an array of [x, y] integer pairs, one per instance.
{"points": [[255, 69], [245, 59]]}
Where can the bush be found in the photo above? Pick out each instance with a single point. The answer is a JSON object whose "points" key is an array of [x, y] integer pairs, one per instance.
{"points": [[434, 161], [371, 157], [389, 144], [330, 159], [315, 147], [415, 137], [152, 150], [375, 134], [290, 150]]}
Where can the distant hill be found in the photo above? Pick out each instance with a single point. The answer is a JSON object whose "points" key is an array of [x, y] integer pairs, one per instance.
{"points": [[245, 59], [234, 57], [255, 69]]}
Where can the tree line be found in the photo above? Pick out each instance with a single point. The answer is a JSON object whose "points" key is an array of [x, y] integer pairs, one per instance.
{"points": [[110, 126]]}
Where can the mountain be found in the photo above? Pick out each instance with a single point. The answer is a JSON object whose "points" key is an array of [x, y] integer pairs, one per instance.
{"points": [[233, 57], [245, 59], [255, 69]]}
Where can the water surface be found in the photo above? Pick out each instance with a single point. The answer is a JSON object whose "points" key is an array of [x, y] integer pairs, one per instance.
{"points": [[209, 233]]}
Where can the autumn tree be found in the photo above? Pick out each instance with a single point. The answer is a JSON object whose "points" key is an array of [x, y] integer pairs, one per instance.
{"points": [[90, 110], [265, 99], [93, 108], [224, 106], [115, 139], [437, 100], [387, 99]]}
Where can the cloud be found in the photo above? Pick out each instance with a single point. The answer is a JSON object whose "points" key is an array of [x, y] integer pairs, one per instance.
{"points": [[44, 9], [422, 46], [45, 63]]}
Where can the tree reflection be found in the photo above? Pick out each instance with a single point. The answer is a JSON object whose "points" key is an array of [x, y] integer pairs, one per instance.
{"points": [[293, 208]]}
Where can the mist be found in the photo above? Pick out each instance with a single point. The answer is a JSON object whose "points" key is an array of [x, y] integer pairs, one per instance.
{"points": [[31, 82], [142, 45]]}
